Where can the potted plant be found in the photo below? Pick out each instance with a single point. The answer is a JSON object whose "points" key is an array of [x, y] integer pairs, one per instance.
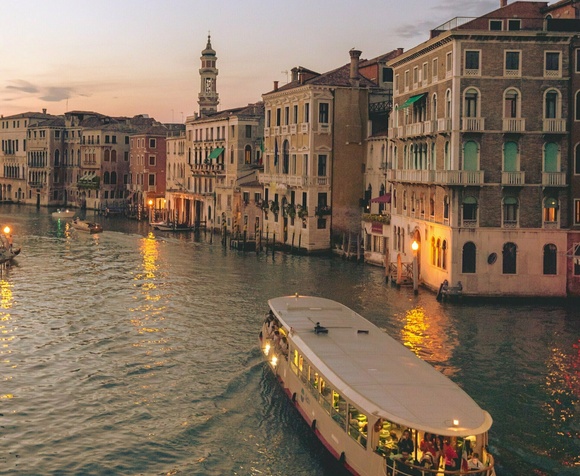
{"points": [[290, 210], [275, 208]]}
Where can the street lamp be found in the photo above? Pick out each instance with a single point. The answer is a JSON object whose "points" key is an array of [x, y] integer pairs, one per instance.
{"points": [[415, 248], [150, 202]]}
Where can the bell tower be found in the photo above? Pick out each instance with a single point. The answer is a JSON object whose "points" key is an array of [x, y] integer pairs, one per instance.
{"points": [[208, 97]]}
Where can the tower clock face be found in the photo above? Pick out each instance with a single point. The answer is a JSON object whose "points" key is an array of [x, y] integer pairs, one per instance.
{"points": [[208, 82]]}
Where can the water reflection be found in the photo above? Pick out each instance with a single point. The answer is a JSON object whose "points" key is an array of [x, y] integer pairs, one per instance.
{"points": [[6, 329]]}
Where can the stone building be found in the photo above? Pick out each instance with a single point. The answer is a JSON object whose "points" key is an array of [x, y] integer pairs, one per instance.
{"points": [[480, 146]]}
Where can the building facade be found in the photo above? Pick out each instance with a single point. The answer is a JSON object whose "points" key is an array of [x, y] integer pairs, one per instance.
{"points": [[480, 145]]}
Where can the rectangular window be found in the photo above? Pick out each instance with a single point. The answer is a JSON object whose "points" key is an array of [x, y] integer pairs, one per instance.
{"points": [[514, 25], [396, 84], [322, 165], [496, 25], [577, 58], [152, 143], [152, 160], [471, 61], [307, 112], [424, 73], [406, 79], [295, 114], [107, 139], [576, 212], [323, 113], [248, 131], [151, 180], [552, 64], [387, 75], [435, 69], [512, 63], [415, 76], [278, 116], [448, 62], [286, 116], [268, 118], [113, 138]]}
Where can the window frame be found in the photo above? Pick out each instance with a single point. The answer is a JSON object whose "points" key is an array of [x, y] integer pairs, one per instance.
{"points": [[552, 73], [511, 72], [467, 71]]}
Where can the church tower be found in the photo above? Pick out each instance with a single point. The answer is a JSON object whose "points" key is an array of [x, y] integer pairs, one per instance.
{"points": [[208, 96]]}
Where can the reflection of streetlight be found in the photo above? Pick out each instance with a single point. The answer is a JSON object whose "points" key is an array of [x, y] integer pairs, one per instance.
{"points": [[415, 248], [150, 203]]}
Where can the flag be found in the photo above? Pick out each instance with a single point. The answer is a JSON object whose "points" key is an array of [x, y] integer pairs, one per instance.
{"points": [[276, 152]]}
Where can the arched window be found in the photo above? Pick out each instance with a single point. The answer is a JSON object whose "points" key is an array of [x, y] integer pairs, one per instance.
{"points": [[510, 157], [433, 163], [434, 107], [438, 253], [469, 210], [552, 104], [509, 255], [107, 155], [447, 157], [448, 104], [511, 102], [248, 155], [57, 157], [550, 259], [444, 254], [432, 206], [468, 258], [470, 155], [113, 156], [433, 251], [510, 212], [446, 207], [550, 210], [471, 103], [285, 157], [106, 177], [551, 157], [113, 178]]}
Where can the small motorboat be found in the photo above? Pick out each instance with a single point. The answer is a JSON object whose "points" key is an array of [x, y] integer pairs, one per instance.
{"points": [[66, 213], [83, 225], [171, 226]]}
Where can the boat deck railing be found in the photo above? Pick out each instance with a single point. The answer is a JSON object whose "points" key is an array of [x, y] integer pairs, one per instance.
{"points": [[398, 468]]}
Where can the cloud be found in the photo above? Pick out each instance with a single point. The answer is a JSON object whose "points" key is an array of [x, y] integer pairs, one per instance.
{"points": [[24, 86], [57, 94]]}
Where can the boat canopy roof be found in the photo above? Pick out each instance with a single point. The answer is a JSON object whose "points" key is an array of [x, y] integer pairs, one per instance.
{"points": [[378, 374]]}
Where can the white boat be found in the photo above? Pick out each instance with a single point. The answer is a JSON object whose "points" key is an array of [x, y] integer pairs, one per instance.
{"points": [[63, 213], [170, 226], [87, 226], [359, 390]]}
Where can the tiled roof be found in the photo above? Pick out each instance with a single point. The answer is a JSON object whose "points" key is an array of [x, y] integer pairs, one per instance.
{"points": [[256, 109]]}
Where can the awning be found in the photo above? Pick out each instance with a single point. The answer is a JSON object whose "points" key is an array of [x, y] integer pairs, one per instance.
{"points": [[412, 99], [214, 154], [386, 198], [87, 178]]}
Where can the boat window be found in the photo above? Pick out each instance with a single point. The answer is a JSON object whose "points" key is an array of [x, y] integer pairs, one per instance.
{"points": [[339, 406], [326, 394], [357, 425], [313, 379]]}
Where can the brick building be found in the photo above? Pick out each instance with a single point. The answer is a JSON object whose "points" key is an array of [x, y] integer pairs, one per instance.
{"points": [[480, 147]]}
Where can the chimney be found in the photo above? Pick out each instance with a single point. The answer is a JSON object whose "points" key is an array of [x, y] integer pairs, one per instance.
{"points": [[294, 74], [44, 111], [502, 3], [354, 58], [275, 85]]}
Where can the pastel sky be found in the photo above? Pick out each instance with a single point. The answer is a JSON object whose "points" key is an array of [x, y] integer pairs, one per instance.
{"points": [[128, 57]]}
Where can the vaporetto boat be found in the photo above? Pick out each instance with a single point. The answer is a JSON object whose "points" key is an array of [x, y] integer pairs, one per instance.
{"points": [[376, 406]]}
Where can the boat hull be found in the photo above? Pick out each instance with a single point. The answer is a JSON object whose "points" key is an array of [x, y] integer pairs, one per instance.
{"points": [[87, 227]]}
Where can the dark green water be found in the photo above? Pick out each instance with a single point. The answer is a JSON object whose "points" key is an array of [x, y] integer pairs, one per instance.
{"points": [[131, 353]]}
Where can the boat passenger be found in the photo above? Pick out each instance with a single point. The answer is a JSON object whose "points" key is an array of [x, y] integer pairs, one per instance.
{"points": [[450, 456], [474, 463], [405, 444], [284, 345]]}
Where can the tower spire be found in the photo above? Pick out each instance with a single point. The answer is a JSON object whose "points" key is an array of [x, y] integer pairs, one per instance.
{"points": [[208, 98]]}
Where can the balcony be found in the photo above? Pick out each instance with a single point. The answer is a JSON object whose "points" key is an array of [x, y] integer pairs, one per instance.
{"points": [[266, 132], [473, 124], [429, 127], [513, 179], [513, 124], [444, 124], [285, 179], [393, 132], [304, 127], [442, 177], [554, 125], [553, 179], [413, 130], [323, 128]]}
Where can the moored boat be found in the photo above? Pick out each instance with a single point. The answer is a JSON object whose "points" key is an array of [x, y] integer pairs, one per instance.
{"points": [[63, 213], [171, 226], [376, 406], [83, 225]]}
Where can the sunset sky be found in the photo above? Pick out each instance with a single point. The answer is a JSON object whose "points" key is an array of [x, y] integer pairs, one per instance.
{"points": [[128, 57]]}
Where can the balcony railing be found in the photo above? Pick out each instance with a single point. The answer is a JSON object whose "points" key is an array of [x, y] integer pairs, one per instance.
{"points": [[513, 178], [553, 179], [554, 125], [443, 177], [513, 124], [473, 124], [444, 124]]}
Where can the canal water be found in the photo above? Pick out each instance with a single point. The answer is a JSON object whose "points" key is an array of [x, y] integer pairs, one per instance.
{"points": [[132, 353]]}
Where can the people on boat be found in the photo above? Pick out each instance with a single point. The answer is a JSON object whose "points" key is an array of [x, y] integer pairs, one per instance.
{"points": [[284, 345], [474, 463], [405, 444], [450, 456]]}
